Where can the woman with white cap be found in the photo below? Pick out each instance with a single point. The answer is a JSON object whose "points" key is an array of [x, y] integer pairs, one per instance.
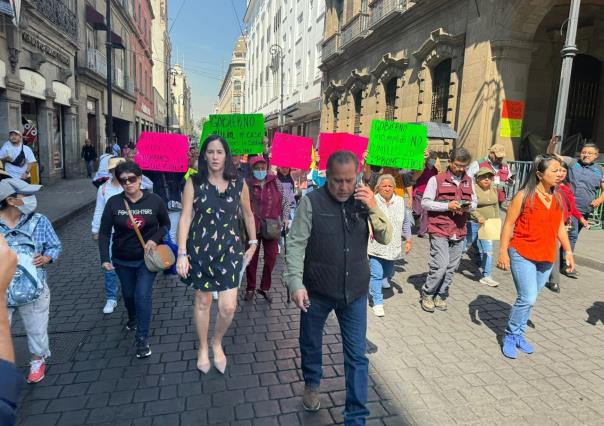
{"points": [[32, 236]]}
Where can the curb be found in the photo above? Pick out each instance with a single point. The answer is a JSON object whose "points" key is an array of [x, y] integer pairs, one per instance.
{"points": [[63, 220], [589, 263]]}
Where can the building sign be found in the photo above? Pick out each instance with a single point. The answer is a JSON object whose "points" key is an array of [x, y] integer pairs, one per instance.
{"points": [[34, 83], [146, 109], [62, 93], [46, 49]]}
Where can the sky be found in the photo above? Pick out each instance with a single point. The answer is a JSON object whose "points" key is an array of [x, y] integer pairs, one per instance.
{"points": [[203, 36]]}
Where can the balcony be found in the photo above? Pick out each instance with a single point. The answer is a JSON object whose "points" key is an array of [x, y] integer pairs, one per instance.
{"points": [[331, 46], [59, 14], [382, 9], [96, 62], [354, 29]]}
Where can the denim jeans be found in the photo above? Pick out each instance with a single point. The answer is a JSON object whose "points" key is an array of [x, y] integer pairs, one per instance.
{"points": [[471, 236], [353, 326], [485, 247], [137, 291], [573, 236], [529, 278], [110, 279], [381, 270]]}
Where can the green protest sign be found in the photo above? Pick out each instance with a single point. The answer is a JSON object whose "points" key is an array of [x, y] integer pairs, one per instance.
{"points": [[243, 132], [399, 145]]}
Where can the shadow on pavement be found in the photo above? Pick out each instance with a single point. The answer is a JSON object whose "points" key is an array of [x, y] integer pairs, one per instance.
{"points": [[491, 312], [595, 313]]}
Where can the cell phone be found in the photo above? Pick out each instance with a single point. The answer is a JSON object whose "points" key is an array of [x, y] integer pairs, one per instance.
{"points": [[464, 203], [359, 180]]}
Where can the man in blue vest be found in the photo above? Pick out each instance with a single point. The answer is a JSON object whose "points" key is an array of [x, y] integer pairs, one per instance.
{"points": [[587, 179], [328, 270]]}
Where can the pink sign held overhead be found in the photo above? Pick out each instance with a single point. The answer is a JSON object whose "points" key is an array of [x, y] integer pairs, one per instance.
{"points": [[291, 151], [332, 142], [162, 152]]}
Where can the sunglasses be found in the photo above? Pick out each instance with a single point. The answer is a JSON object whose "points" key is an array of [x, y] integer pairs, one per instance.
{"points": [[128, 180]]}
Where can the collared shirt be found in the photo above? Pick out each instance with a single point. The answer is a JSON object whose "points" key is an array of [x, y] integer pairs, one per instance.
{"points": [[430, 203], [10, 384], [586, 181], [45, 238], [401, 227]]}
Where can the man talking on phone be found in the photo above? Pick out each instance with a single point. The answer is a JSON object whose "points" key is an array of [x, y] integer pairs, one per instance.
{"points": [[448, 198], [328, 270]]}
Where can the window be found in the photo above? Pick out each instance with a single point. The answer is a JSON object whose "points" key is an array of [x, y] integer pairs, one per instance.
{"points": [[339, 6], [298, 74], [268, 34], [277, 20], [299, 25], [236, 85], [309, 67], [236, 107], [334, 107], [358, 103], [440, 91], [391, 99]]}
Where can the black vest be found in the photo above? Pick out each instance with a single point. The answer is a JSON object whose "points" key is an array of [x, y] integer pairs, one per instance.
{"points": [[336, 265]]}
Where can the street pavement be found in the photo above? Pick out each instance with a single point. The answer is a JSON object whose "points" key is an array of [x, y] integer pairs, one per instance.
{"points": [[426, 369]]}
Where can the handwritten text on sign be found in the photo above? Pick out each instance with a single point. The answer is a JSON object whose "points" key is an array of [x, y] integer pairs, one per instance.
{"points": [[399, 145], [291, 151], [243, 132], [162, 152]]}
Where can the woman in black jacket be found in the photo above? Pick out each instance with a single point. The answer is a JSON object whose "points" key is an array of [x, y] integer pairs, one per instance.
{"points": [[151, 216]]}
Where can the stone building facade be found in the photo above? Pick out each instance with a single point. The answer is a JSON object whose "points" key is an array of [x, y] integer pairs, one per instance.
{"points": [[181, 99], [38, 86], [231, 95], [456, 62], [142, 67], [162, 49]]}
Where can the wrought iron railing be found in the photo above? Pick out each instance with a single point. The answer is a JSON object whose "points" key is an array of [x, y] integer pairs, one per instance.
{"points": [[96, 61], [355, 28], [383, 8], [331, 46], [59, 14]]}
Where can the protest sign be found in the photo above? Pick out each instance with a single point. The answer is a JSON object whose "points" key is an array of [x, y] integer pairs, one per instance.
{"points": [[162, 152], [399, 145], [332, 142], [243, 132], [291, 151]]}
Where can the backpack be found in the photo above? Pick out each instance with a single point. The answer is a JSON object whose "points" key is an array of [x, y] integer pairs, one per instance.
{"points": [[26, 286]]}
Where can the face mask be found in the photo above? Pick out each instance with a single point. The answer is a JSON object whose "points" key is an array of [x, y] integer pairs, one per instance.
{"points": [[29, 205], [260, 174], [431, 163]]}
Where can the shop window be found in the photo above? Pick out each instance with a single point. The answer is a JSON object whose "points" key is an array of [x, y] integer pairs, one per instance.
{"points": [[391, 99], [57, 138], [441, 83]]}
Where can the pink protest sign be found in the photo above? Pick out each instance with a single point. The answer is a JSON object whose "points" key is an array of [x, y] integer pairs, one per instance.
{"points": [[332, 142], [162, 152], [291, 151]]}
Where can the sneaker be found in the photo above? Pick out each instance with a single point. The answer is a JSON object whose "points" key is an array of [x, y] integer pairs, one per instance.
{"points": [[509, 346], [142, 348], [131, 325], [37, 371], [109, 306], [311, 399], [488, 281], [427, 302], [523, 345], [440, 303], [378, 310]]}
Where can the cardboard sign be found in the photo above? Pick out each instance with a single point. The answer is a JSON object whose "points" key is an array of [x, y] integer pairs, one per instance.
{"points": [[291, 151], [512, 109], [162, 152], [399, 145], [510, 128], [332, 142], [243, 132], [490, 230]]}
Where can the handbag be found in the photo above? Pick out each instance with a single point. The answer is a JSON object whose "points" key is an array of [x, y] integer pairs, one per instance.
{"points": [[271, 229], [161, 258]]}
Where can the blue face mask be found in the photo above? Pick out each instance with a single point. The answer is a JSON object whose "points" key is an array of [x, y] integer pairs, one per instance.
{"points": [[260, 174]]}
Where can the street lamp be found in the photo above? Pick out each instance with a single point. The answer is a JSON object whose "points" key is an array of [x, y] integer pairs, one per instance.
{"points": [[276, 52], [180, 98], [170, 71]]}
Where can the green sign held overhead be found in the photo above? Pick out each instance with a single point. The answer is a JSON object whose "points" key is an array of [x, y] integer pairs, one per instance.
{"points": [[399, 145], [243, 132]]}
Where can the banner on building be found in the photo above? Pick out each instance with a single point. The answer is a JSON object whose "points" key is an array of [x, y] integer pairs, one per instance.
{"points": [[162, 152], [512, 114], [399, 145], [243, 132], [291, 151], [332, 142]]}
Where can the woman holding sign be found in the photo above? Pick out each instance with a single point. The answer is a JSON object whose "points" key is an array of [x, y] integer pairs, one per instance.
{"points": [[211, 255]]}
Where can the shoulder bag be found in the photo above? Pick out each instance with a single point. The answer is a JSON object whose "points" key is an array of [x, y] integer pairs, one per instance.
{"points": [[161, 258]]}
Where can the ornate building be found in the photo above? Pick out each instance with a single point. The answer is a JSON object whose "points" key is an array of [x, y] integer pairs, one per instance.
{"points": [[162, 49], [231, 96], [455, 62]]}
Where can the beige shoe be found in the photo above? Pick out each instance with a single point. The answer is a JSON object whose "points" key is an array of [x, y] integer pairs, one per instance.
{"points": [[378, 310], [427, 302], [311, 399], [440, 303]]}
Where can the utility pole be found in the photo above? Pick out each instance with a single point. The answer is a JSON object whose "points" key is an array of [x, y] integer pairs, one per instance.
{"points": [[168, 97], [109, 76], [276, 52], [569, 51]]}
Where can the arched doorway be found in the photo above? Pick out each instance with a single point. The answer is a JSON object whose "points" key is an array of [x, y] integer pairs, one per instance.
{"points": [[584, 96]]}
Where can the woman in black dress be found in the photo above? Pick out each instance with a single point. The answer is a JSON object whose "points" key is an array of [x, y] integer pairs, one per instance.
{"points": [[210, 251]]}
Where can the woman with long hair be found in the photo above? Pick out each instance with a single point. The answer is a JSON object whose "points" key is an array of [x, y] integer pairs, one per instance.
{"points": [[211, 255], [533, 226]]}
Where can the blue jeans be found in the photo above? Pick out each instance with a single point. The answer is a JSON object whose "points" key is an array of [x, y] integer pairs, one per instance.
{"points": [[529, 278], [137, 291], [471, 236], [110, 279], [485, 247], [353, 326], [381, 270]]}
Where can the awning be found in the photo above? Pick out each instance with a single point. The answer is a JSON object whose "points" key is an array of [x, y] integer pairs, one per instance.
{"points": [[2, 74], [117, 41], [440, 130], [6, 8], [95, 18]]}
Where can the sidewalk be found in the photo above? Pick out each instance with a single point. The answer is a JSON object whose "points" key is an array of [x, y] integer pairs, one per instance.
{"points": [[65, 200], [590, 249]]}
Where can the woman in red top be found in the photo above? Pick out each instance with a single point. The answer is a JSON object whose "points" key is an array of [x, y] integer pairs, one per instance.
{"points": [[533, 225], [570, 209]]}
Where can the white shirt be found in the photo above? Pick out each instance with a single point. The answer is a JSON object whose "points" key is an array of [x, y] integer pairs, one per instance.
{"points": [[103, 170], [12, 151], [103, 194], [395, 212]]}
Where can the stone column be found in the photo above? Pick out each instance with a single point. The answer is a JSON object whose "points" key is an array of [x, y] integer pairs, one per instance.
{"points": [[45, 139], [71, 143], [10, 106]]}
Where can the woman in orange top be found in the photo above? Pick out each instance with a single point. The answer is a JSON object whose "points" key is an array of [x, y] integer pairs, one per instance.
{"points": [[528, 245]]}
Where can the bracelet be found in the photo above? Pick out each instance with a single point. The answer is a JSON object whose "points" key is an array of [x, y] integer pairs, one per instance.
{"points": [[252, 242]]}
